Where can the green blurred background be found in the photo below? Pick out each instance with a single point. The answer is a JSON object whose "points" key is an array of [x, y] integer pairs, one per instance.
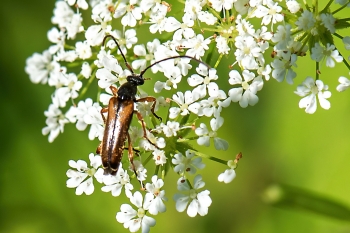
{"points": [[280, 144]]}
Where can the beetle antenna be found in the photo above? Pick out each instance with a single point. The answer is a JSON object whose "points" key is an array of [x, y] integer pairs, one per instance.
{"points": [[168, 58], [115, 41]]}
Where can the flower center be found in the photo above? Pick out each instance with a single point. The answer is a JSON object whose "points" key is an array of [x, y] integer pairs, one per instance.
{"points": [[245, 85], [206, 80], [184, 107], [193, 194], [314, 90], [140, 212], [91, 171], [149, 57], [212, 134]]}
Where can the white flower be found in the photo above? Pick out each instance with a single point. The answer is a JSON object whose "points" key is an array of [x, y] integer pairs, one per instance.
{"points": [[328, 21], [282, 64], [192, 8], [196, 46], [206, 17], [221, 45], [158, 19], [174, 77], [204, 83], [171, 128], [330, 54], [205, 135], [293, 6], [187, 163], [346, 41], [55, 122], [77, 177], [58, 38], [309, 89], [39, 67], [213, 105], [78, 3], [101, 11], [246, 52], [344, 84], [87, 113], [229, 174], [68, 90], [220, 5], [306, 21], [115, 184], [94, 34], [282, 37], [111, 73], [65, 17], [271, 13], [343, 2], [187, 103], [125, 40], [83, 50], [130, 11], [246, 94], [135, 219], [159, 157], [86, 70], [140, 170], [183, 30], [155, 196], [140, 51], [199, 202]]}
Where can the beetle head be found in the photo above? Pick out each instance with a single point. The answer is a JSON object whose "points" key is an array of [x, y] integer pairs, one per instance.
{"points": [[135, 79]]}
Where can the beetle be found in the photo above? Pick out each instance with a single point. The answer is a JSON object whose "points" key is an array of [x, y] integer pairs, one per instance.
{"points": [[120, 111]]}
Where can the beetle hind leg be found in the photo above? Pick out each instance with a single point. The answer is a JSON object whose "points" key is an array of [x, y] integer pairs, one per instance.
{"points": [[131, 160]]}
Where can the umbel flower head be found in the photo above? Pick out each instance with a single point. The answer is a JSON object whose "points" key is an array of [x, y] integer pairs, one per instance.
{"points": [[187, 47]]}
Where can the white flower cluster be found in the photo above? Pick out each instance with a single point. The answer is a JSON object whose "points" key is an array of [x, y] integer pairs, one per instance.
{"points": [[208, 31]]}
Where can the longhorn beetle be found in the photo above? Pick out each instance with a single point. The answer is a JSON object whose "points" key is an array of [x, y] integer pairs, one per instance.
{"points": [[119, 114]]}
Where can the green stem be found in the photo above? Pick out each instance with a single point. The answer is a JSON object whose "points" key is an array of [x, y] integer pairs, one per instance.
{"points": [[91, 79], [327, 6], [209, 157], [215, 13], [210, 29], [343, 20], [218, 61], [345, 61], [339, 36], [340, 8], [317, 70], [147, 160]]}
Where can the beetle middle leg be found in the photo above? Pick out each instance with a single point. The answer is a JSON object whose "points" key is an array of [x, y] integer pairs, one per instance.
{"points": [[150, 99], [139, 116]]}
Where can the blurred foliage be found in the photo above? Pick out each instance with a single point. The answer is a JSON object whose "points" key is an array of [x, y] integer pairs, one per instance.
{"points": [[280, 144]]}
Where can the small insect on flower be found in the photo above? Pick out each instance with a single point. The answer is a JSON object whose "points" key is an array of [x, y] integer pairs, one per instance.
{"points": [[120, 111]]}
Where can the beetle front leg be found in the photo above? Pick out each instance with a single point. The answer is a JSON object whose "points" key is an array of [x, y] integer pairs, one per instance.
{"points": [[150, 99]]}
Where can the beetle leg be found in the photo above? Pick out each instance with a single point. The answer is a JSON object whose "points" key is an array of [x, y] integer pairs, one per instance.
{"points": [[99, 148], [136, 151], [139, 116], [131, 159], [114, 90], [150, 99], [104, 110]]}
